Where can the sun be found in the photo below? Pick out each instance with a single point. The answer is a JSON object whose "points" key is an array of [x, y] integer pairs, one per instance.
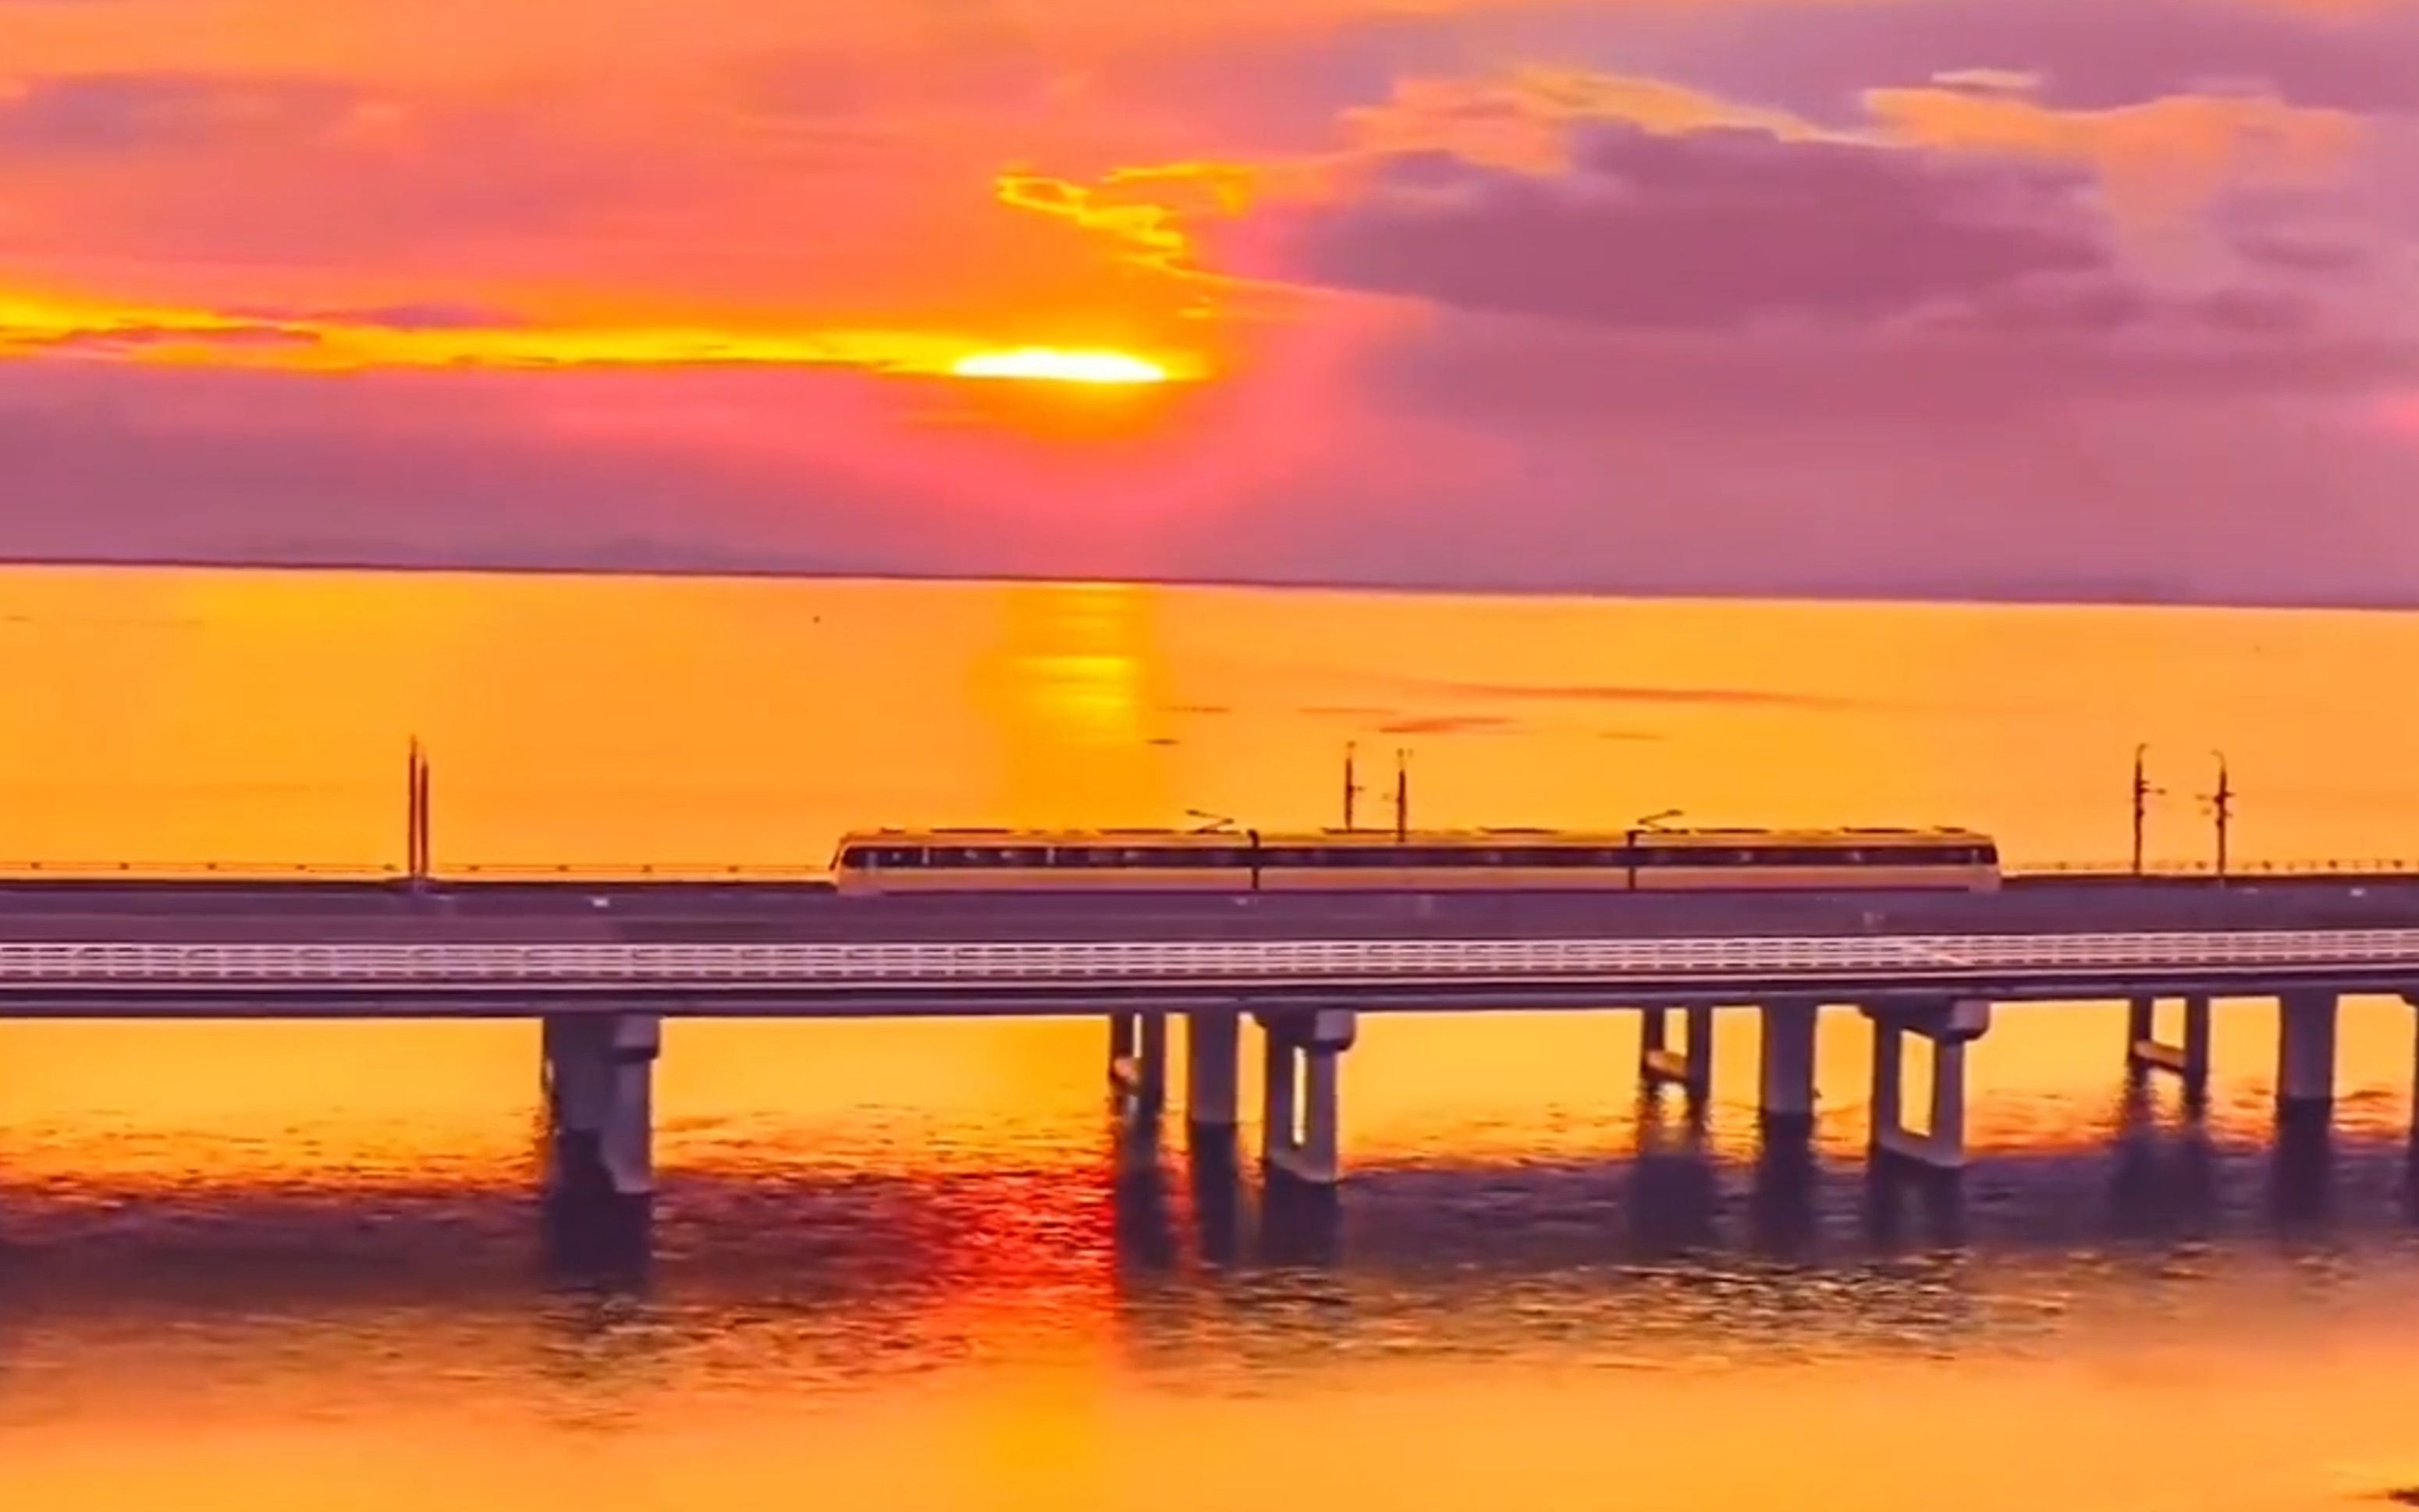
{"points": [[1049, 364]]}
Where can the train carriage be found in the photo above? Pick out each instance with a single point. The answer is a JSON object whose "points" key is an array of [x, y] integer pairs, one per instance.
{"points": [[1487, 860]]}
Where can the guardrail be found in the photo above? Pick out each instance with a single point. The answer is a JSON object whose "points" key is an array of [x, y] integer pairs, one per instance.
{"points": [[370, 871], [794, 871], [184, 870], [786, 871], [2383, 867], [37, 965]]}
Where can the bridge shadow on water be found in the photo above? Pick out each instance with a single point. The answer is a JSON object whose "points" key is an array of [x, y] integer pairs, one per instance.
{"points": [[1189, 1251]]}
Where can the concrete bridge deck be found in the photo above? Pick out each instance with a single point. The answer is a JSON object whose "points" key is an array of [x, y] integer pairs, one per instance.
{"points": [[603, 961], [699, 911]]}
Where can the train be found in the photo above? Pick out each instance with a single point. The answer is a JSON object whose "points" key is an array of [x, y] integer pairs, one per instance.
{"points": [[880, 861]]}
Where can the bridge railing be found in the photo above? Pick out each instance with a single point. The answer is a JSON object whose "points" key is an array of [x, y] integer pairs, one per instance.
{"points": [[2376, 866], [609, 872], [374, 872], [1190, 962]]}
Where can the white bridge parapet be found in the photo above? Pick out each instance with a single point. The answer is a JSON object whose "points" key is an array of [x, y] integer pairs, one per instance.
{"points": [[572, 966]]}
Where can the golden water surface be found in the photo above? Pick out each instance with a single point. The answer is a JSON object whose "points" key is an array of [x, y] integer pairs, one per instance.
{"points": [[894, 1266]]}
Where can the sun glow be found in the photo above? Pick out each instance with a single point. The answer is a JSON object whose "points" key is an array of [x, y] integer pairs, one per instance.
{"points": [[1053, 366], [34, 326]]}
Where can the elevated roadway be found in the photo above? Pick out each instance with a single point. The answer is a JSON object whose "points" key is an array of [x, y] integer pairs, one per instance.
{"points": [[920, 977], [623, 909]]}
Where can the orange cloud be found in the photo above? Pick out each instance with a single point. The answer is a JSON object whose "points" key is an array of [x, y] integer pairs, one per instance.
{"points": [[1145, 207], [1522, 119], [2163, 155], [2177, 149]]}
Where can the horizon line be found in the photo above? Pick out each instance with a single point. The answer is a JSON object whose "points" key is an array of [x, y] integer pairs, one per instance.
{"points": [[497, 567]]}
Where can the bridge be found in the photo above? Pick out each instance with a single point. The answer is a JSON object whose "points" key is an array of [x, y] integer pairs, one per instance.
{"points": [[602, 966], [822, 980]]}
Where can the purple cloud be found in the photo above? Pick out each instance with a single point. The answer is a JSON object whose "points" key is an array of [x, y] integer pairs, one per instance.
{"points": [[2292, 254], [1705, 230], [2010, 364], [128, 113], [2087, 54]]}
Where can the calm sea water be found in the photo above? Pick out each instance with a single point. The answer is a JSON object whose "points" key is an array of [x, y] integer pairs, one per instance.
{"points": [[905, 1266]]}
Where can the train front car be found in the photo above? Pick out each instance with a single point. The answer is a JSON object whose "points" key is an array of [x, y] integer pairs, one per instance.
{"points": [[1495, 860], [1827, 860]]}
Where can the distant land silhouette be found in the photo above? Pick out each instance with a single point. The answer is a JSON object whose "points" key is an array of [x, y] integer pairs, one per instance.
{"points": [[642, 557]]}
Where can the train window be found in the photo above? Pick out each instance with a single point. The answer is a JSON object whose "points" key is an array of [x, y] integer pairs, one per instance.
{"points": [[1291, 856], [1930, 855], [898, 855], [855, 857], [1023, 856]]}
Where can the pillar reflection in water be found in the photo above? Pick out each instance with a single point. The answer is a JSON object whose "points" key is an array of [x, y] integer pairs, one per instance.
{"points": [[2163, 1181]]}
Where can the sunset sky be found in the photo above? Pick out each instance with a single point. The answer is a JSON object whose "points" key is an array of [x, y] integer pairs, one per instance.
{"points": [[2096, 297]]}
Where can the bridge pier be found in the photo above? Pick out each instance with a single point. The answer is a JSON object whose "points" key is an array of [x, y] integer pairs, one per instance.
{"points": [[1138, 1063], [2306, 1052], [1690, 1068], [2187, 1062], [1213, 1056], [599, 1073], [1786, 1083], [1949, 1028], [2411, 996], [1300, 1133]]}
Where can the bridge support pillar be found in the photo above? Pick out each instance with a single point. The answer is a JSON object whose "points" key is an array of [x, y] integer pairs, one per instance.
{"points": [[1949, 1028], [1299, 1130], [2306, 1050], [2187, 1062], [1786, 1095], [2411, 995], [1213, 1054], [1138, 1062], [1690, 1068], [599, 1073]]}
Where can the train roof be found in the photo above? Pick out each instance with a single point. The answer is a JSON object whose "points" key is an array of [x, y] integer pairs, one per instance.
{"points": [[1002, 837]]}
